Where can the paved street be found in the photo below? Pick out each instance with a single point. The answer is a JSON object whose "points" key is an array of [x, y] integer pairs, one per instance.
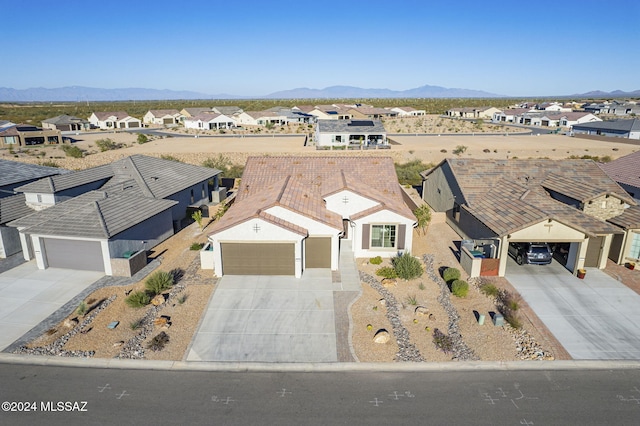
{"points": [[593, 318], [499, 397]]}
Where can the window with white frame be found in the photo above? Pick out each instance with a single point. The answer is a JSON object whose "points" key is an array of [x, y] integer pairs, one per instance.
{"points": [[383, 236], [635, 246]]}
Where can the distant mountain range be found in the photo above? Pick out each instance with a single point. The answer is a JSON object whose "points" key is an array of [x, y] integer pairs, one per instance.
{"points": [[606, 95], [84, 94]]}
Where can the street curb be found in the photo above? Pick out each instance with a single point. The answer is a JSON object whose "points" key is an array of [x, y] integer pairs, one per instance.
{"points": [[124, 364]]}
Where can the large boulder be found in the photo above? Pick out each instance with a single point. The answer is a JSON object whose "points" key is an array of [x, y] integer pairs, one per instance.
{"points": [[382, 336]]}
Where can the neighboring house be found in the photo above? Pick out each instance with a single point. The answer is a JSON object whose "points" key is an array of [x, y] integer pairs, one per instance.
{"points": [[12, 204], [114, 120], [93, 218], [292, 115], [366, 133], [371, 113], [473, 112], [6, 123], [229, 111], [66, 123], [568, 203], [508, 115], [626, 172], [624, 109], [553, 107], [209, 121], [629, 129], [192, 112], [332, 112], [572, 118], [626, 247], [408, 111], [166, 117], [291, 213], [261, 118], [26, 134], [597, 107]]}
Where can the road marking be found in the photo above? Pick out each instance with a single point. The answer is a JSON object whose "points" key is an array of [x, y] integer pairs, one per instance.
{"points": [[124, 393], [283, 392], [376, 402], [103, 388]]}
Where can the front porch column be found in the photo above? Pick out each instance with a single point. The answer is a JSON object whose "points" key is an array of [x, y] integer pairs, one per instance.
{"points": [[503, 256]]}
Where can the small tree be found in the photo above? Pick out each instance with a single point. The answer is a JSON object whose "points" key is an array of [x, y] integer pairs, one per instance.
{"points": [[142, 138], [423, 214], [197, 216]]}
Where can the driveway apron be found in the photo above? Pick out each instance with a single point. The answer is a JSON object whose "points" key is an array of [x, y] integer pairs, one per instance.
{"points": [[269, 319], [593, 318], [28, 295]]}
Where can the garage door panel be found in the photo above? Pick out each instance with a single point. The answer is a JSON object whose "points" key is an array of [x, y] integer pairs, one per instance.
{"points": [[258, 259], [318, 252], [73, 254]]}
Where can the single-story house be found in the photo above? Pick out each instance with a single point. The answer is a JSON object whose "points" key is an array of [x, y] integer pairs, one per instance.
{"points": [[569, 204], [473, 112], [26, 134], [626, 172], [408, 111], [624, 109], [367, 133], [114, 120], [372, 113], [88, 218], [508, 115], [629, 129], [13, 204], [66, 123], [294, 213], [332, 112], [192, 112], [209, 121], [626, 247], [229, 111], [261, 118], [571, 118], [166, 117]]}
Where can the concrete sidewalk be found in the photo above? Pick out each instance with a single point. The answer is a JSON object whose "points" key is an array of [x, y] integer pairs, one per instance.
{"points": [[28, 295], [593, 318]]}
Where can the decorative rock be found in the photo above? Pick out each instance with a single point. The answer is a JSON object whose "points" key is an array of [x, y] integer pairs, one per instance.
{"points": [[432, 317], [382, 336], [389, 282], [158, 300], [382, 302], [162, 321], [422, 310], [118, 344], [70, 322], [113, 324]]}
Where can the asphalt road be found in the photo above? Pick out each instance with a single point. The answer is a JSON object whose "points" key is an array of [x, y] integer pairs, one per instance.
{"points": [[147, 397]]}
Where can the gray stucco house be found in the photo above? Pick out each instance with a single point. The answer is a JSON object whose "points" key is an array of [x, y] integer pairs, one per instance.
{"points": [[12, 204], [92, 218]]}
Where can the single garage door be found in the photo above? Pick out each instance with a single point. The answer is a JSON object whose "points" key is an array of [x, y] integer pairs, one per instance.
{"points": [[258, 259], [73, 254], [317, 252]]}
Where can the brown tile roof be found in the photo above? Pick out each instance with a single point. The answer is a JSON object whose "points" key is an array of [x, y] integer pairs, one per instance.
{"points": [[508, 195], [630, 219], [300, 184], [625, 169]]}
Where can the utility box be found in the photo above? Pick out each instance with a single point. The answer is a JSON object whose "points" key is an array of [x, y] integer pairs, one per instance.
{"points": [[498, 320]]}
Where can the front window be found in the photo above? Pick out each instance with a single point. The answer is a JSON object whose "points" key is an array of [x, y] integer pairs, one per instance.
{"points": [[383, 236]]}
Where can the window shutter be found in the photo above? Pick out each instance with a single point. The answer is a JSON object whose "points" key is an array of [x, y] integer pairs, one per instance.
{"points": [[402, 230], [366, 235]]}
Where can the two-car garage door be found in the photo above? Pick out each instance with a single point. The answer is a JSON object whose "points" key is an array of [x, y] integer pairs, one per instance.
{"points": [[258, 258], [73, 254]]}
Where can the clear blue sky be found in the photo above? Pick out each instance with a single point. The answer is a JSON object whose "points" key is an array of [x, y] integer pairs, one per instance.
{"points": [[518, 48]]}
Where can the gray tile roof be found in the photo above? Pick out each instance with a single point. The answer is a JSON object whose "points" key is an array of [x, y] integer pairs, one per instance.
{"points": [[616, 125], [227, 110], [96, 214], [509, 195], [64, 119], [350, 126], [12, 208], [156, 177], [14, 172], [625, 169]]}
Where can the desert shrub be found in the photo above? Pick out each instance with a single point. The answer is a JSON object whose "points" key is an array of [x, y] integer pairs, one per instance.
{"points": [[442, 341], [158, 282], [158, 342], [412, 300], [82, 308], [183, 298], [196, 246], [106, 144], [460, 149], [513, 319], [138, 299], [375, 260], [450, 274], [409, 173], [142, 138], [72, 151], [406, 266], [134, 325], [489, 289], [459, 288], [169, 157], [387, 272], [49, 163]]}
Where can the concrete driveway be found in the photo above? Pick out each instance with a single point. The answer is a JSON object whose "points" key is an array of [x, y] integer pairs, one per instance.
{"points": [[28, 295], [269, 319], [593, 318]]}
